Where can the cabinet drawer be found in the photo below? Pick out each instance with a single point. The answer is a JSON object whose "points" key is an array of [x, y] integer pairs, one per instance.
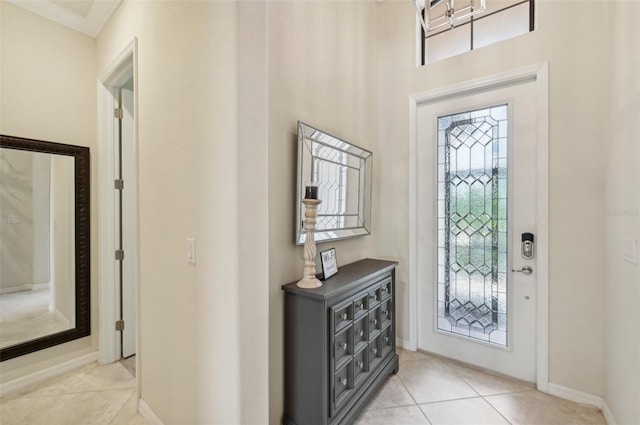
{"points": [[342, 385], [385, 313], [374, 323], [360, 333], [360, 365], [342, 347], [385, 290], [342, 316], [360, 305], [386, 340], [374, 297], [374, 353]]}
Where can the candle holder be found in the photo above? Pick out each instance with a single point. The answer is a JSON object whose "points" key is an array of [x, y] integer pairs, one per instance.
{"points": [[309, 279]]}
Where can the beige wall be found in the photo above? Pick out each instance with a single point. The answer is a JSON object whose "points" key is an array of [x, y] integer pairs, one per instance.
{"points": [[24, 194], [322, 71], [48, 92], [622, 384], [577, 92], [16, 239], [202, 175]]}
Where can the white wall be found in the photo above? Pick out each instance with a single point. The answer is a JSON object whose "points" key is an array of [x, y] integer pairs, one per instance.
{"points": [[47, 81], [322, 71], [575, 49], [203, 328], [622, 384]]}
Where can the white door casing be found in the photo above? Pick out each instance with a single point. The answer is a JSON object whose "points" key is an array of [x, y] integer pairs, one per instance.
{"points": [[115, 75], [424, 108]]}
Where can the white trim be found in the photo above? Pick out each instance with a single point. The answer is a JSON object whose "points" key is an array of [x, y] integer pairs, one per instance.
{"points": [[22, 288], [404, 344], [539, 72], [413, 222], [145, 411], [582, 398], [18, 384], [62, 318], [608, 414]]}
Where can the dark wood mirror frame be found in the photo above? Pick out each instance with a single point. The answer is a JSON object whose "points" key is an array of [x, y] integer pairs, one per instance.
{"points": [[82, 178]]}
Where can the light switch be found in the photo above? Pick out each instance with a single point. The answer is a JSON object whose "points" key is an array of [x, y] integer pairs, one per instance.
{"points": [[631, 251], [191, 251]]}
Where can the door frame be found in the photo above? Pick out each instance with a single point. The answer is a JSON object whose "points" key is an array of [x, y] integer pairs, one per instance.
{"points": [[124, 64], [540, 73]]}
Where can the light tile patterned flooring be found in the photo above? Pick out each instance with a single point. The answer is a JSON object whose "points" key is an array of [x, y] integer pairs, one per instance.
{"points": [[426, 390], [435, 391], [93, 394]]}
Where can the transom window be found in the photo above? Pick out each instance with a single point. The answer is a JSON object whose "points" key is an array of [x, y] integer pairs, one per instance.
{"points": [[502, 20]]}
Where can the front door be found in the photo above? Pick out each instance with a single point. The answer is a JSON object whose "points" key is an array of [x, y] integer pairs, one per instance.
{"points": [[476, 183]]}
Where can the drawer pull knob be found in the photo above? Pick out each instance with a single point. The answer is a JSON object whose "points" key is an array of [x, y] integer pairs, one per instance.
{"points": [[386, 313], [343, 381], [386, 290], [374, 350], [361, 365], [361, 306], [374, 321], [343, 345], [374, 297], [386, 339], [344, 316], [361, 332]]}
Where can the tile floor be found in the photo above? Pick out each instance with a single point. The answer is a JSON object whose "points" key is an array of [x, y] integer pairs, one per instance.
{"points": [[427, 390], [93, 394], [25, 316]]}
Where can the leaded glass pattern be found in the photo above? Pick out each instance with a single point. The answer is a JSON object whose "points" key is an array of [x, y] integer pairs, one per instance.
{"points": [[472, 224]]}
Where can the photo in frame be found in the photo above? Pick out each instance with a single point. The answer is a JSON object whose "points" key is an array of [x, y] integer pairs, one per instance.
{"points": [[329, 263]]}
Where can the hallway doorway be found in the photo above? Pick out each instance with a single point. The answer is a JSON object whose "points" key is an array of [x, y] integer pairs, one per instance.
{"points": [[119, 286]]}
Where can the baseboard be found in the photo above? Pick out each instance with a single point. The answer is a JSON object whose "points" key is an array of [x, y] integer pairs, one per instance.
{"points": [[23, 288], [145, 411], [608, 415], [42, 375], [583, 398], [62, 318], [404, 344]]}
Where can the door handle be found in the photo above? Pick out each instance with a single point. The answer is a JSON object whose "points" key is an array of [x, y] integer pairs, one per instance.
{"points": [[524, 269]]}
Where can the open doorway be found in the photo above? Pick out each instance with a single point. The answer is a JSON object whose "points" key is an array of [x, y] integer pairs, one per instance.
{"points": [[118, 201]]}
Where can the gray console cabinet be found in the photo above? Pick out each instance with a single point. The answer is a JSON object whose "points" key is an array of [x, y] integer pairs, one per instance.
{"points": [[339, 343]]}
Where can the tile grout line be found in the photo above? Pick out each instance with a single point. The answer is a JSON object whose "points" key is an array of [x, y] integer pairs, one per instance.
{"points": [[412, 397], [483, 397], [496, 409]]}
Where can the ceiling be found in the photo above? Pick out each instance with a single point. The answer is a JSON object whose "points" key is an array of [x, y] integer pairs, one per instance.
{"points": [[85, 16]]}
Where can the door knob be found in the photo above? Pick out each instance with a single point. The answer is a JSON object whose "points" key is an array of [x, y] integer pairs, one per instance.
{"points": [[524, 269]]}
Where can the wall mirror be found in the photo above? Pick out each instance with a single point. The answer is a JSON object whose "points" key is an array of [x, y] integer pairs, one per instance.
{"points": [[44, 245], [343, 173]]}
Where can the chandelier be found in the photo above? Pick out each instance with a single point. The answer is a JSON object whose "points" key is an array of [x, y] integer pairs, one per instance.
{"points": [[441, 13]]}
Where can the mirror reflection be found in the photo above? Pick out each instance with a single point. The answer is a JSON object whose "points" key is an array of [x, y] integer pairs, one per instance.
{"points": [[37, 252], [343, 173], [44, 245]]}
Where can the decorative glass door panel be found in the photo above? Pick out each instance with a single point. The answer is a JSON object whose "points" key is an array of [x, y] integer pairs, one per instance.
{"points": [[472, 224]]}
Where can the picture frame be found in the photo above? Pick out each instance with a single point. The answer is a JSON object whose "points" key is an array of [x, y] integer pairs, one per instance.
{"points": [[329, 263]]}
